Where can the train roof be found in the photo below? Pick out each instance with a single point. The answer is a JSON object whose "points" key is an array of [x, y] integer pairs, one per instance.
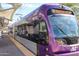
{"points": [[45, 7], [49, 6], [56, 6]]}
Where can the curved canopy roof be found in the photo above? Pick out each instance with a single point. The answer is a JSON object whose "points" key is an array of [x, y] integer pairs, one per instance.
{"points": [[6, 12], [7, 9]]}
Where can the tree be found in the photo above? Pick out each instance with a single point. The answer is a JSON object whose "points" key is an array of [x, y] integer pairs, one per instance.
{"points": [[69, 4]]}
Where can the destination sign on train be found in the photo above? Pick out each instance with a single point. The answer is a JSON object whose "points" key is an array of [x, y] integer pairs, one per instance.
{"points": [[61, 12]]}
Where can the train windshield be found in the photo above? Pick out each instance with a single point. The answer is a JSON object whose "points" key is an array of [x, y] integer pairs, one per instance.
{"points": [[63, 25]]}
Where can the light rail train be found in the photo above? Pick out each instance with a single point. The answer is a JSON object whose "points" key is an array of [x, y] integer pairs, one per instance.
{"points": [[51, 29]]}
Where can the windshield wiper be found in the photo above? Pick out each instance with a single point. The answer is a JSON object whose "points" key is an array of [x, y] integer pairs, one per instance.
{"points": [[61, 30], [69, 40]]}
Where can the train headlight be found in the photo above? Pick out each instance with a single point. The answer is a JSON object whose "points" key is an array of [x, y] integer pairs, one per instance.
{"points": [[73, 48], [46, 49]]}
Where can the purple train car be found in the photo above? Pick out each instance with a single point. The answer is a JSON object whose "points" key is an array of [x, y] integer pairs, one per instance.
{"points": [[52, 29]]}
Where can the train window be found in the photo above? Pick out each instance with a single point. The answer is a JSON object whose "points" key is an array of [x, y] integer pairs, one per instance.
{"points": [[21, 30], [42, 27], [31, 30], [40, 33], [36, 33], [36, 29], [43, 35]]}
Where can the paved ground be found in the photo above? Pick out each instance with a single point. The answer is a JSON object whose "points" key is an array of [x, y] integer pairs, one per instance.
{"points": [[7, 48]]}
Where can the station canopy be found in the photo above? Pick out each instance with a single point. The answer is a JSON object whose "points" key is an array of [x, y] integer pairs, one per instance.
{"points": [[6, 13], [7, 9]]}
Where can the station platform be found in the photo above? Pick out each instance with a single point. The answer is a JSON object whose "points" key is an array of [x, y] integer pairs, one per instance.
{"points": [[10, 47]]}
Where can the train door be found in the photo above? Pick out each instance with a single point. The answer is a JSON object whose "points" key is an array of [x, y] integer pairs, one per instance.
{"points": [[41, 37], [37, 37]]}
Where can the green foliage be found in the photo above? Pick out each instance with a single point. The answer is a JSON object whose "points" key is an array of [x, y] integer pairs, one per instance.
{"points": [[69, 4]]}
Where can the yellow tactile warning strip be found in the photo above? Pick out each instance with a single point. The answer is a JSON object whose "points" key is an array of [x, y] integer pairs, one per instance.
{"points": [[24, 50]]}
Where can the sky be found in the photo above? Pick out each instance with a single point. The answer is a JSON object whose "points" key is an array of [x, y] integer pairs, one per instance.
{"points": [[5, 5]]}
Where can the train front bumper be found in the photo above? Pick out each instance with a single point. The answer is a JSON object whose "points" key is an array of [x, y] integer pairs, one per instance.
{"points": [[69, 54]]}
